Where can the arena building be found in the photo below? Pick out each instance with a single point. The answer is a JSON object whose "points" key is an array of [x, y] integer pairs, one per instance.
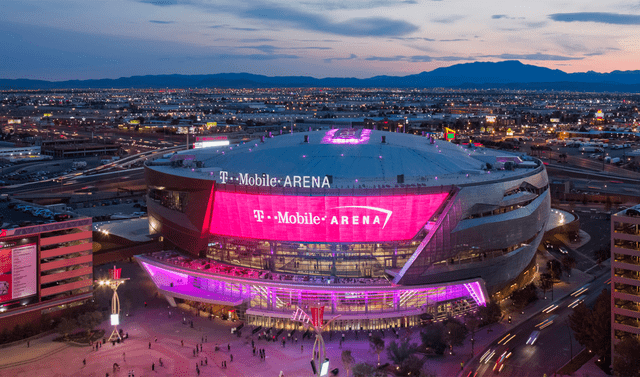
{"points": [[378, 227]]}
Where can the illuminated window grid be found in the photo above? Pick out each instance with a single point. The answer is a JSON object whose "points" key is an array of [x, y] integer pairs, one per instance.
{"points": [[287, 298]]}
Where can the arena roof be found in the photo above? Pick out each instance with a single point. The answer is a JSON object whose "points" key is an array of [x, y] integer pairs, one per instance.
{"points": [[348, 154]]}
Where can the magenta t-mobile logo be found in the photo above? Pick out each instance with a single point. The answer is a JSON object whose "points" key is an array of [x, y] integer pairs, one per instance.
{"points": [[310, 218], [258, 215]]}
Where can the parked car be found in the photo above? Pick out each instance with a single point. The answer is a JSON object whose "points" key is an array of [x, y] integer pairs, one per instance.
{"points": [[61, 216]]}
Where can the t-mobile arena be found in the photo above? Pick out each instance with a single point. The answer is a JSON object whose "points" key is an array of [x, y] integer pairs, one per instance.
{"points": [[378, 227]]}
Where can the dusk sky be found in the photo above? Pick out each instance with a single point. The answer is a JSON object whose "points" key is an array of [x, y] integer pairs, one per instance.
{"points": [[87, 39]]}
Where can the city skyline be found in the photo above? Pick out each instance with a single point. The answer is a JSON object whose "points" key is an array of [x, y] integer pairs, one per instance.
{"points": [[75, 40]]}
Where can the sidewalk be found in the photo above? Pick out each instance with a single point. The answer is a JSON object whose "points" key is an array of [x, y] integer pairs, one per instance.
{"points": [[148, 323], [38, 349]]}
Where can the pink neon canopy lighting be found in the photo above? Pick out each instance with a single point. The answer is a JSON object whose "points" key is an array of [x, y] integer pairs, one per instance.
{"points": [[322, 218], [346, 136]]}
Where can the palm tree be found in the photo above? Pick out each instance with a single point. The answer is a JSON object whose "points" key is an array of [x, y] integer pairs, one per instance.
{"points": [[377, 345], [546, 283], [347, 360], [472, 322]]}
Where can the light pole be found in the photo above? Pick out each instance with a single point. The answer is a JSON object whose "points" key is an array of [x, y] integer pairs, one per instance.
{"points": [[314, 322], [570, 340], [114, 283]]}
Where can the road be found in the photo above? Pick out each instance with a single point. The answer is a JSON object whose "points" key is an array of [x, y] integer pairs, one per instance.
{"points": [[551, 350], [102, 182]]}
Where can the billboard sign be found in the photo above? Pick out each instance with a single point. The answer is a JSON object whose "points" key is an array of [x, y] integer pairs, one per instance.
{"points": [[322, 218], [210, 141], [18, 271], [317, 316]]}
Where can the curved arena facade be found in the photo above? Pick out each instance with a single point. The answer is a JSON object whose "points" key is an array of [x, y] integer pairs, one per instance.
{"points": [[378, 227]]}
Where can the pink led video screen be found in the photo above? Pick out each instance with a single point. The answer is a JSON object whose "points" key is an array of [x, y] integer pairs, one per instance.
{"points": [[322, 219]]}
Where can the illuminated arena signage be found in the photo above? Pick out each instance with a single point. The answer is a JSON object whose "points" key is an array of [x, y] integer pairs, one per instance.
{"points": [[265, 180], [322, 218]]}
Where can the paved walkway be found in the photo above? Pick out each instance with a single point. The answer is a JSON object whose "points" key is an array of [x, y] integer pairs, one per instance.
{"points": [[146, 323]]}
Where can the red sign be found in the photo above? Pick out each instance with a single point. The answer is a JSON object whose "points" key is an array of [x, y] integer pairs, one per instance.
{"points": [[3, 233], [115, 273], [322, 218], [317, 315]]}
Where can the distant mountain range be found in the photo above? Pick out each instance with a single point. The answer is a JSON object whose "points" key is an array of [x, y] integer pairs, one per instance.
{"points": [[512, 75]]}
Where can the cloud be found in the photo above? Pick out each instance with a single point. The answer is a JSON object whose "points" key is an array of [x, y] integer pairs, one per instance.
{"points": [[283, 15], [316, 40], [227, 26], [418, 58], [269, 49], [310, 48], [256, 40], [409, 39], [535, 25], [350, 57], [448, 20], [599, 17], [246, 57], [263, 48], [261, 56], [396, 58], [160, 3], [162, 22], [499, 16], [244, 28], [536, 56], [454, 58], [594, 53], [453, 40], [342, 5], [356, 27]]}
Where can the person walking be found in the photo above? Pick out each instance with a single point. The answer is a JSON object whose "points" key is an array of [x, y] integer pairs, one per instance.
{"points": [[231, 357], [124, 357], [228, 346], [153, 367], [301, 348], [206, 361], [84, 362], [149, 345]]}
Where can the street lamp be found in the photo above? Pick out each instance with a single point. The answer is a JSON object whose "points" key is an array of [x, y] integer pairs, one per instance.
{"points": [[114, 283], [318, 357]]}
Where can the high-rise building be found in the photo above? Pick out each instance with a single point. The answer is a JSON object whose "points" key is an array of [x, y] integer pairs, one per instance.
{"points": [[46, 264], [625, 274]]}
